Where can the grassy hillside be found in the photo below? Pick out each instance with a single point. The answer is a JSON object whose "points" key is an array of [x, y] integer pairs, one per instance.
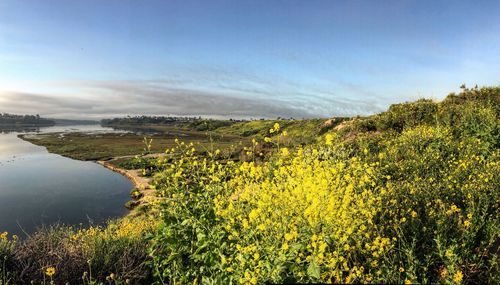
{"points": [[406, 196], [298, 131], [410, 195]]}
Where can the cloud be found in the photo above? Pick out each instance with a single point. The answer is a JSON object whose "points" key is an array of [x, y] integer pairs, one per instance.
{"points": [[254, 98], [128, 99]]}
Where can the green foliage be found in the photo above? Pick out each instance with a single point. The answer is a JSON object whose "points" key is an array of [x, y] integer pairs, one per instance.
{"points": [[408, 195], [486, 96], [251, 128], [136, 163], [424, 199], [24, 120], [210, 125], [299, 131], [365, 125], [481, 123], [187, 242], [408, 115], [451, 187], [94, 254]]}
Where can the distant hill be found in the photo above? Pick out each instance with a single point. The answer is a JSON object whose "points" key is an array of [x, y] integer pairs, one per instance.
{"points": [[24, 120], [65, 122]]}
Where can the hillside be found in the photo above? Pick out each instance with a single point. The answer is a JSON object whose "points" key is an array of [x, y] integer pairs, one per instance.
{"points": [[406, 196], [410, 195]]}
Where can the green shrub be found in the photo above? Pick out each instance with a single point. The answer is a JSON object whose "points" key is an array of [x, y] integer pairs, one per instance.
{"points": [[407, 115], [486, 96], [446, 190], [365, 125], [481, 123], [188, 244]]}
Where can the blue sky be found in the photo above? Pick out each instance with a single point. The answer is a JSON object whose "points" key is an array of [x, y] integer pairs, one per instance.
{"points": [[240, 59]]}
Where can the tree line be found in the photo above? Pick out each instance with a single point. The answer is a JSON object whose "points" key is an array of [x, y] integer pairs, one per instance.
{"points": [[24, 120]]}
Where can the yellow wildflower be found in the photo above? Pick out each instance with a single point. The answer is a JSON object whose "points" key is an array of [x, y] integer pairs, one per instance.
{"points": [[458, 276], [284, 151], [276, 127], [253, 215], [50, 271], [449, 253], [288, 236], [328, 139]]}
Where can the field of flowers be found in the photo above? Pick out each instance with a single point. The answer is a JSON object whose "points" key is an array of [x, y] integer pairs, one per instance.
{"points": [[408, 196], [411, 195]]}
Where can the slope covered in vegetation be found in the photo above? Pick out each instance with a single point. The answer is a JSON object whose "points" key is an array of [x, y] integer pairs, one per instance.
{"points": [[410, 195]]}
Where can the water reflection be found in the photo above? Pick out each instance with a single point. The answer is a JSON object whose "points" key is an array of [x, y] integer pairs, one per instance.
{"points": [[38, 188], [6, 129]]}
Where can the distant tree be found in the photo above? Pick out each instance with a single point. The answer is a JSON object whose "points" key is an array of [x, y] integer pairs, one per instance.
{"points": [[24, 120]]}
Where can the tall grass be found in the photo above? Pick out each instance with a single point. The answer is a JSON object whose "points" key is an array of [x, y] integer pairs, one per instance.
{"points": [[113, 254]]}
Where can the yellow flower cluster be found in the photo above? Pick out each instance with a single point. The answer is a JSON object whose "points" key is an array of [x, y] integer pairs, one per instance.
{"points": [[125, 228], [371, 209], [313, 212], [5, 237]]}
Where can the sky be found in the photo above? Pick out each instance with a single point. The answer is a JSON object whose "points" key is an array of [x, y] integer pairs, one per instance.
{"points": [[240, 59]]}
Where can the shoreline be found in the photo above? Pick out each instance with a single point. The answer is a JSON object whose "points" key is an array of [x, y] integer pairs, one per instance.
{"points": [[140, 183]]}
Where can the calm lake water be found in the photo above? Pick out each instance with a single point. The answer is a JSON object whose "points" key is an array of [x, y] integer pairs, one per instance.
{"points": [[38, 188]]}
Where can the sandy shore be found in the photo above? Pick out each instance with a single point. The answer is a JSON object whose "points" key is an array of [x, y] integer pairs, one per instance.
{"points": [[142, 184]]}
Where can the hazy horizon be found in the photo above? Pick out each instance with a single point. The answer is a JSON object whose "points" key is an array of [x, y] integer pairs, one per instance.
{"points": [[240, 59]]}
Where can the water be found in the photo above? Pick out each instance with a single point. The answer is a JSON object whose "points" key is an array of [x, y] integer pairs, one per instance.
{"points": [[38, 188]]}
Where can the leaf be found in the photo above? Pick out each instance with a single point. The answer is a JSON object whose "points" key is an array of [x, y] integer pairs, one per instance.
{"points": [[200, 236], [313, 270]]}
